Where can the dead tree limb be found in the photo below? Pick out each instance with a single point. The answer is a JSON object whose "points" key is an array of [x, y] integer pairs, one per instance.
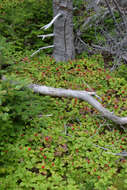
{"points": [[48, 35], [83, 95], [52, 22], [113, 16], [46, 47]]}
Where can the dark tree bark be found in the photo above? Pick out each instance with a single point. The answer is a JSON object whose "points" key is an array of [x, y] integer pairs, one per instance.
{"points": [[63, 31]]}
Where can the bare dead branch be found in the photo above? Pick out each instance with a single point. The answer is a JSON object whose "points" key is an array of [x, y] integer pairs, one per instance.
{"points": [[45, 36], [121, 14], [122, 154], [112, 14], [52, 21], [42, 49], [83, 95]]}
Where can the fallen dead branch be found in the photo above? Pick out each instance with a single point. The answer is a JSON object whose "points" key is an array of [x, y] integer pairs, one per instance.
{"points": [[83, 95]]}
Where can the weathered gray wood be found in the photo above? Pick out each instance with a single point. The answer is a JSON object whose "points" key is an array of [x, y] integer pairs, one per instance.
{"points": [[83, 95], [63, 31], [122, 3]]}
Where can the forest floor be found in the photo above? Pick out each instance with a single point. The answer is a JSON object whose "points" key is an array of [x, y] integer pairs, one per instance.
{"points": [[50, 143]]}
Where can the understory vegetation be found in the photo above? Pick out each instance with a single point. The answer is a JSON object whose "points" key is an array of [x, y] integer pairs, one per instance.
{"points": [[47, 142], [51, 143]]}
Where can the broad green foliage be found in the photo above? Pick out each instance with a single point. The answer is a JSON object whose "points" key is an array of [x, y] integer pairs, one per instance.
{"points": [[51, 143]]}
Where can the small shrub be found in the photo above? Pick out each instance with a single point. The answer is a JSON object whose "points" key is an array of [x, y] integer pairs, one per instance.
{"points": [[47, 142]]}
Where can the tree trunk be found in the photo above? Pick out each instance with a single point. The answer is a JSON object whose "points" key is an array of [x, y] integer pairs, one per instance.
{"points": [[63, 31]]}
